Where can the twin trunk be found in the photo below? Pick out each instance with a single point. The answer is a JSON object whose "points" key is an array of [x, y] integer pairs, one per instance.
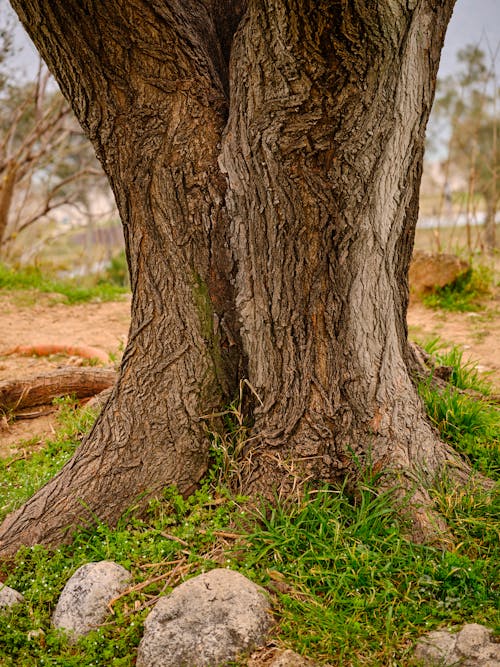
{"points": [[269, 205]]}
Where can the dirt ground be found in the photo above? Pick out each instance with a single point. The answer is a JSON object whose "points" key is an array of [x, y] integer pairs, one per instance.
{"points": [[41, 322], [33, 321], [477, 333]]}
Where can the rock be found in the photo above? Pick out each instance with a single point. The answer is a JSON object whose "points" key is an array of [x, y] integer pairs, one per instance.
{"points": [[473, 646], [431, 270], [206, 621], [436, 648], [290, 659], [83, 603], [9, 597]]}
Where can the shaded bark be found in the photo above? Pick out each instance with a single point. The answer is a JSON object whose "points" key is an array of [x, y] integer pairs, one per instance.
{"points": [[154, 106], [266, 164]]}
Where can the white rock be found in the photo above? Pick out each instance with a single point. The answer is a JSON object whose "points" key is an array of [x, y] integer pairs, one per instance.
{"points": [[290, 659], [83, 603], [473, 646], [472, 638], [436, 648], [9, 597], [206, 621]]}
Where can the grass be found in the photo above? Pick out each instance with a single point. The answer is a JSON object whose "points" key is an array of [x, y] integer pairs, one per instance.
{"points": [[18, 481], [347, 587], [465, 294], [464, 374], [72, 291], [358, 592], [472, 426]]}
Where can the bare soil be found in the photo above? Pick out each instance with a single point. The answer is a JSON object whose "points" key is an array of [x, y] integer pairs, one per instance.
{"points": [[477, 333], [38, 320], [27, 319]]}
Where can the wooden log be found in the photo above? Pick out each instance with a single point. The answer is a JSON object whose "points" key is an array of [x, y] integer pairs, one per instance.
{"points": [[42, 389]]}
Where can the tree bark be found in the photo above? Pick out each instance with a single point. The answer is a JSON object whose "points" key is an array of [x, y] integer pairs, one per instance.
{"points": [[323, 153], [266, 162]]}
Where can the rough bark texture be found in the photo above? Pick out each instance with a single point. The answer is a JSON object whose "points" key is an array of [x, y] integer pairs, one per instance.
{"points": [[323, 153], [266, 160]]}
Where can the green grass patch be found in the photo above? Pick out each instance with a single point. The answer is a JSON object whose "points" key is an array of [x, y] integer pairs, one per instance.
{"points": [[20, 479], [469, 421], [465, 294], [358, 592], [471, 426], [73, 291], [464, 374], [346, 587]]}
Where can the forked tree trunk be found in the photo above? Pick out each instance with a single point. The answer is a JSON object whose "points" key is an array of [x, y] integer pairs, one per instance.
{"points": [[269, 209]]}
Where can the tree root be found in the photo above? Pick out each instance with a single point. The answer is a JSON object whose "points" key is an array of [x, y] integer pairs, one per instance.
{"points": [[409, 474]]}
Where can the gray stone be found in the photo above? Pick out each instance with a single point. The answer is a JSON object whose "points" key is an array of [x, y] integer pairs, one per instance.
{"points": [[472, 638], [83, 603], [290, 659], [473, 646], [437, 648], [206, 621], [9, 597]]}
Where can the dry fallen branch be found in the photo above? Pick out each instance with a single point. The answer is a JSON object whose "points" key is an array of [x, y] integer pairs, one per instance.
{"points": [[99, 400], [170, 578], [46, 349], [222, 533], [42, 389]]}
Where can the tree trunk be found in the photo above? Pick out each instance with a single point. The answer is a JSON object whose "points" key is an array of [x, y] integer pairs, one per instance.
{"points": [[8, 178], [269, 209], [490, 222], [323, 154]]}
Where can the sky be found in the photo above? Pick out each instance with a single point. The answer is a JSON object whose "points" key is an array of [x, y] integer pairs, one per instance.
{"points": [[473, 22]]}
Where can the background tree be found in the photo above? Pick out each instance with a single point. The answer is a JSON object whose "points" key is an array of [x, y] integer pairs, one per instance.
{"points": [[266, 159], [46, 162], [467, 118]]}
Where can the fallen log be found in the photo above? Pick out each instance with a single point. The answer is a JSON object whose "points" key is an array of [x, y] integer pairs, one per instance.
{"points": [[42, 389]]}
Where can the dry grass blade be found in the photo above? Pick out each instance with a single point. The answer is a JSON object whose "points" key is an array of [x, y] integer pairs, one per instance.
{"points": [[169, 576]]}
